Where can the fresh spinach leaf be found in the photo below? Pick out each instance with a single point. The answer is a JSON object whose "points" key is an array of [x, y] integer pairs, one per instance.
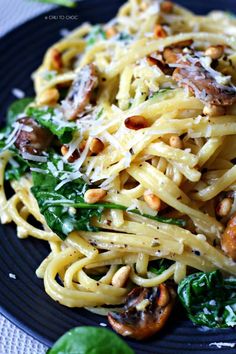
{"points": [[65, 3], [53, 120], [96, 33], [210, 300], [90, 340]]}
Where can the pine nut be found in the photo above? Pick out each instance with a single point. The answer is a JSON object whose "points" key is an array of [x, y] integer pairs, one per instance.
{"points": [[110, 32], [170, 55], [214, 111], [121, 276], [73, 157], [167, 6], [159, 32], [96, 146], [143, 6], [176, 142], [228, 238], [56, 59], [92, 196], [136, 122], [152, 200], [48, 97], [224, 207], [215, 52]]}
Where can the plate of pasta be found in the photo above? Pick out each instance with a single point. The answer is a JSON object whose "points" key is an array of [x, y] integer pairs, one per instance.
{"points": [[118, 176]]}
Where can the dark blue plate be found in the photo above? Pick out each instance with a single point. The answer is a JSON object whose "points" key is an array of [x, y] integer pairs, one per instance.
{"points": [[23, 300]]}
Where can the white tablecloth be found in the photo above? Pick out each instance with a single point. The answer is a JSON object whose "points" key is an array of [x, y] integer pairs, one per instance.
{"points": [[13, 13]]}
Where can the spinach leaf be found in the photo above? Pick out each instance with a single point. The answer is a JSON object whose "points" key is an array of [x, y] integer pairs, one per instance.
{"points": [[90, 340], [16, 108], [53, 120], [210, 300], [161, 92], [96, 33], [55, 204], [66, 3], [159, 266], [124, 36], [16, 167]]}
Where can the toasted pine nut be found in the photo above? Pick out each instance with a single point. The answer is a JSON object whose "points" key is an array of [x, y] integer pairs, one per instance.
{"points": [[56, 59], [74, 156], [159, 32], [214, 111], [167, 6], [82, 145], [164, 297], [176, 142], [215, 51], [96, 146], [92, 196], [48, 97], [224, 207], [170, 55], [121, 276], [228, 238], [110, 32], [152, 200], [136, 122], [143, 6]]}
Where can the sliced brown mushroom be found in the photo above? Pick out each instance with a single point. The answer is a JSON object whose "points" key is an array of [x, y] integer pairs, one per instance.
{"points": [[228, 238], [80, 92], [32, 138], [203, 84], [145, 312]]}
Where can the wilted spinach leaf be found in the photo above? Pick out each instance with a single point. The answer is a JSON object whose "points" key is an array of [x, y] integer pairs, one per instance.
{"points": [[17, 166], [54, 204], [96, 33], [48, 119], [210, 300], [159, 266], [16, 108]]}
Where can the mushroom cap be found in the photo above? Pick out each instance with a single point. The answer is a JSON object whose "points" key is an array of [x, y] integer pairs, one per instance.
{"points": [[34, 139], [80, 92], [145, 312]]}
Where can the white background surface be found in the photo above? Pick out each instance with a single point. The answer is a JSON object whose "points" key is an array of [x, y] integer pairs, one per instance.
{"points": [[13, 13]]}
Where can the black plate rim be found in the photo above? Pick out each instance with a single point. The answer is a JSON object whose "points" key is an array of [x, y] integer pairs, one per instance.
{"points": [[21, 324]]}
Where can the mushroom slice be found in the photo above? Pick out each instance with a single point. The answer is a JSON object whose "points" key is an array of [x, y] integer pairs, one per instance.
{"points": [[80, 92], [228, 239], [145, 312], [32, 138], [203, 83]]}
